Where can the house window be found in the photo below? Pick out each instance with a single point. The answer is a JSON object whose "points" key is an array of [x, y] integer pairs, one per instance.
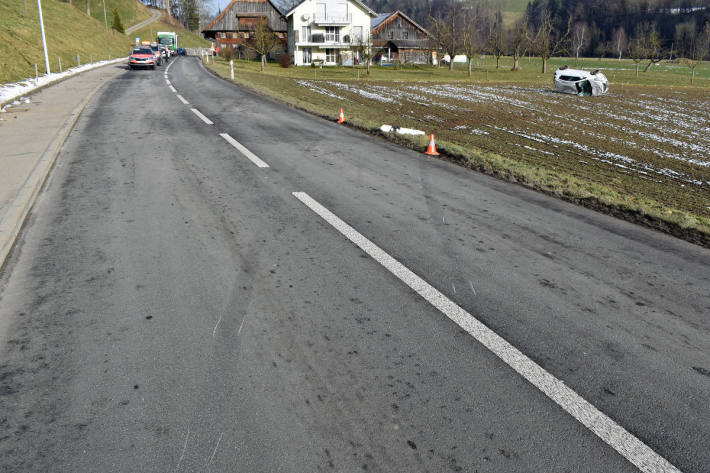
{"points": [[332, 33], [357, 34], [390, 35], [307, 57], [405, 34], [331, 56], [306, 34]]}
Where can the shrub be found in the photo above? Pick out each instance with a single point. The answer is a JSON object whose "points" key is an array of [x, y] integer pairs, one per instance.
{"points": [[228, 53], [117, 23], [285, 60]]}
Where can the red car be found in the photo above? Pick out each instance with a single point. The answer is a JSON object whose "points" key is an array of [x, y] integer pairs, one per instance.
{"points": [[141, 57]]}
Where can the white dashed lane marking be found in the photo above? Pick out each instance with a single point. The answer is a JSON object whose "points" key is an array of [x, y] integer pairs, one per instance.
{"points": [[252, 157], [202, 117]]}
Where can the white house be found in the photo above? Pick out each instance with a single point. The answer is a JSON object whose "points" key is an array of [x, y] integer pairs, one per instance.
{"points": [[325, 31]]}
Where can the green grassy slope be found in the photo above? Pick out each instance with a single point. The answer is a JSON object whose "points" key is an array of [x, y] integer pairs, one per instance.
{"points": [[131, 11], [69, 32]]}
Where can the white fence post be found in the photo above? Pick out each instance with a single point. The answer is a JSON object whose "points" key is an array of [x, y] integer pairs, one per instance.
{"points": [[231, 68], [60, 63]]}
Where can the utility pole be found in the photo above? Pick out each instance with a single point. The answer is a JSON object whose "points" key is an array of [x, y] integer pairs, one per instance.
{"points": [[105, 22], [44, 41]]}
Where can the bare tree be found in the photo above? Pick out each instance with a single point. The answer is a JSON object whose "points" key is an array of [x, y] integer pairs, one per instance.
{"points": [[496, 38], [518, 41], [447, 27], [699, 48], [262, 41], [362, 46], [471, 35], [647, 34], [637, 49], [547, 42], [580, 39], [620, 41]]}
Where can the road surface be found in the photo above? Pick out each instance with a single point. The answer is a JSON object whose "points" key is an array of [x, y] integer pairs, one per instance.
{"points": [[176, 305]]}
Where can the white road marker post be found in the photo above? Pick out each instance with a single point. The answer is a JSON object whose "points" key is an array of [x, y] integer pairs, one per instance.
{"points": [[231, 68], [60, 63]]}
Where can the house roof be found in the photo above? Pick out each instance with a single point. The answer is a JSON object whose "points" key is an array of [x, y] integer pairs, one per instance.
{"points": [[229, 7], [357, 2], [384, 18]]}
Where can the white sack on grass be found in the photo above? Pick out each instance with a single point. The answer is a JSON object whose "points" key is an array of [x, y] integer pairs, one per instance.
{"points": [[401, 131]]}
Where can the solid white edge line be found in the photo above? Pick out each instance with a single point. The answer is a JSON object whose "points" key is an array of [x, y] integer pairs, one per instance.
{"points": [[202, 117], [182, 99], [173, 89], [626, 444], [252, 157]]}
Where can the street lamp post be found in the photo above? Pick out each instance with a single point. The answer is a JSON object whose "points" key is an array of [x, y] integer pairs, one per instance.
{"points": [[44, 41]]}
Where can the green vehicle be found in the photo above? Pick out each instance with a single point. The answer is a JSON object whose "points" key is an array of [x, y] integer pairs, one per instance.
{"points": [[169, 39]]}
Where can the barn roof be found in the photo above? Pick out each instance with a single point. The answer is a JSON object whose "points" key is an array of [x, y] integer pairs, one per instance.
{"points": [[219, 17], [379, 19], [385, 18]]}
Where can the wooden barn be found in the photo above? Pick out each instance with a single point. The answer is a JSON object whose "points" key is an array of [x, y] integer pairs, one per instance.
{"points": [[233, 26], [395, 36]]}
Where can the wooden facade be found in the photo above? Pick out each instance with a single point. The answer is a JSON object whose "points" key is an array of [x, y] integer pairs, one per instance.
{"points": [[234, 25], [395, 36]]}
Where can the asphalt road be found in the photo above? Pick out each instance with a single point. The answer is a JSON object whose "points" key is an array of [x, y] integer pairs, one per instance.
{"points": [[171, 306]]}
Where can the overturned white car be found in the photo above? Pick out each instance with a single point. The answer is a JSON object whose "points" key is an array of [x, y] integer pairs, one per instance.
{"points": [[573, 81]]}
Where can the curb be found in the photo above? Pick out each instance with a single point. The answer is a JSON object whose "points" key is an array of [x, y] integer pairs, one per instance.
{"points": [[18, 209]]}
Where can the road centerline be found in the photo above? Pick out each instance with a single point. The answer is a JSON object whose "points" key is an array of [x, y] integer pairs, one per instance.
{"points": [[202, 117], [614, 435], [251, 156], [182, 99]]}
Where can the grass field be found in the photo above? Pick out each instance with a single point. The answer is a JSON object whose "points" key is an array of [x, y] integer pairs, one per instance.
{"points": [[642, 150]]}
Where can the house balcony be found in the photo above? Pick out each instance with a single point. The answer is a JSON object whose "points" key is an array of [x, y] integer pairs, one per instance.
{"points": [[324, 44], [320, 41], [332, 20]]}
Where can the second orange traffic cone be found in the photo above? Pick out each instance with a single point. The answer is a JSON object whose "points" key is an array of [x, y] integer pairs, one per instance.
{"points": [[341, 117], [431, 150]]}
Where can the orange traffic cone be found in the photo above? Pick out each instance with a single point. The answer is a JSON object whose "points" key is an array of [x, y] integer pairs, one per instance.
{"points": [[431, 150], [341, 118]]}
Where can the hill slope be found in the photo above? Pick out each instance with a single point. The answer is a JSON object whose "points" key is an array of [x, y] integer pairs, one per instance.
{"points": [[69, 33]]}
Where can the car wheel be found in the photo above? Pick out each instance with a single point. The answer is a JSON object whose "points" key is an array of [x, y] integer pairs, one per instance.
{"points": [[153, 67]]}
